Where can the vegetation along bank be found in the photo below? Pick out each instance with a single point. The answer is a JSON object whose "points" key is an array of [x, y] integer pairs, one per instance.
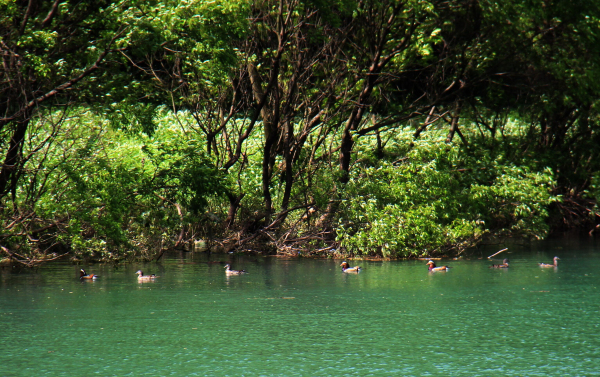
{"points": [[345, 127]]}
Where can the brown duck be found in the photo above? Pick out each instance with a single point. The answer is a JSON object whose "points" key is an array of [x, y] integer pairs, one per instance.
{"points": [[556, 259], [84, 276], [142, 277], [503, 265], [434, 268], [346, 267], [229, 271]]}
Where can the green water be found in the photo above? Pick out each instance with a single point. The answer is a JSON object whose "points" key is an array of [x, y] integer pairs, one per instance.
{"points": [[304, 317]]}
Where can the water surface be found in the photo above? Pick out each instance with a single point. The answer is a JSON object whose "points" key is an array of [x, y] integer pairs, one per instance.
{"points": [[304, 317]]}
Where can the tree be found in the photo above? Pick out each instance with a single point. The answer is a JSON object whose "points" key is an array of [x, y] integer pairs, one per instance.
{"points": [[62, 57], [50, 52]]}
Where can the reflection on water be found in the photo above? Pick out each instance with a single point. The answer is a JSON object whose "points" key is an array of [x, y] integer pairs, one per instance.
{"points": [[305, 317]]}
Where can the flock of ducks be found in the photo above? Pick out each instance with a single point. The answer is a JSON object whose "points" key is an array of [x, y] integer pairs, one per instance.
{"points": [[434, 268], [141, 277], [345, 268]]}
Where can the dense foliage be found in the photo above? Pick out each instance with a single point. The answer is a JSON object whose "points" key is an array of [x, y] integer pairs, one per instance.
{"points": [[381, 127], [436, 197]]}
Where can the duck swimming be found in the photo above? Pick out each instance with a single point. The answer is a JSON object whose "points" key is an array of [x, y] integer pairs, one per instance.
{"points": [[503, 265], [346, 267], [433, 268], [229, 271], [556, 259], [142, 277], [84, 276]]}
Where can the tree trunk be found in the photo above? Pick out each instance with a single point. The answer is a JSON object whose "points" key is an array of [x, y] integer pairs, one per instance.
{"points": [[12, 159], [270, 121], [234, 204], [453, 124], [289, 160]]}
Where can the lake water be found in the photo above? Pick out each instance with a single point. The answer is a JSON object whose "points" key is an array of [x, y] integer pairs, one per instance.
{"points": [[304, 317]]}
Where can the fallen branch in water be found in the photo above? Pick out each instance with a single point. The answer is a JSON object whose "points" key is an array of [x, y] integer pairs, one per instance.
{"points": [[497, 253]]}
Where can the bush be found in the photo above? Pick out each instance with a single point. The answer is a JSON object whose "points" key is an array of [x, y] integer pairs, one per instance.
{"points": [[436, 198]]}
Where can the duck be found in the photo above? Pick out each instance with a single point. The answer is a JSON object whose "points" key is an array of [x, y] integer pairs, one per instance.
{"points": [[503, 265], [142, 277], [229, 271], [346, 267], [556, 259], [84, 276], [433, 268]]}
